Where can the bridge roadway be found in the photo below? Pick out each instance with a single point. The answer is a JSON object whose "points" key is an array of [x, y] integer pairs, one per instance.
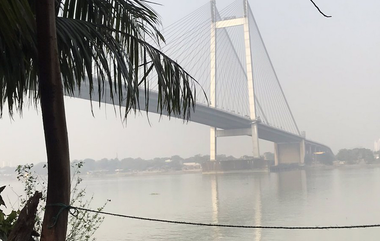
{"points": [[226, 121]]}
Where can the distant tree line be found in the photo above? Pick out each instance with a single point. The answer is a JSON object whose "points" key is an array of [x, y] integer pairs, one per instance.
{"points": [[131, 164], [357, 155], [138, 164]]}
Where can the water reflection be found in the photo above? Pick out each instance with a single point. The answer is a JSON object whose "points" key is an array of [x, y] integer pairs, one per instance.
{"points": [[291, 184], [215, 205], [332, 197], [222, 195], [258, 207], [312, 197], [214, 198]]}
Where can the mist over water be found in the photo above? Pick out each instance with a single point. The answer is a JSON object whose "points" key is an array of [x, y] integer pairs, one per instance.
{"points": [[325, 197], [295, 198]]}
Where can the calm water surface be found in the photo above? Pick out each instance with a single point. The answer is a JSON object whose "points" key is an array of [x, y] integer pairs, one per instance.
{"points": [[318, 197], [306, 198]]}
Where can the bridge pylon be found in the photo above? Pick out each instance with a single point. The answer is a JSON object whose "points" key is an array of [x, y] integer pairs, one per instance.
{"points": [[244, 21]]}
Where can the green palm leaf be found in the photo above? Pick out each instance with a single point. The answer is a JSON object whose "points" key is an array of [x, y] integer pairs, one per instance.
{"points": [[99, 41], [1, 199], [18, 48]]}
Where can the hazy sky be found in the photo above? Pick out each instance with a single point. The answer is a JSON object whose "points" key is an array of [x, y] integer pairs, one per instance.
{"points": [[328, 68]]}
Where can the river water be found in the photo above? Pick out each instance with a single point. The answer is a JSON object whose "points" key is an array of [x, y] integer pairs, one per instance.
{"points": [[329, 197]]}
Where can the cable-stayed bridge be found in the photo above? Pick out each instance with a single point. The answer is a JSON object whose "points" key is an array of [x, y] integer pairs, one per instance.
{"points": [[224, 51]]}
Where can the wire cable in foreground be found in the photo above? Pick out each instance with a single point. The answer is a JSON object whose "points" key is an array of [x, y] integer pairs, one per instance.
{"points": [[319, 10], [68, 207]]}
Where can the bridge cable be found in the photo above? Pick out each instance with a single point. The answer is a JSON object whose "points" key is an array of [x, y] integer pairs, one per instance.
{"points": [[270, 61], [180, 39], [228, 36]]}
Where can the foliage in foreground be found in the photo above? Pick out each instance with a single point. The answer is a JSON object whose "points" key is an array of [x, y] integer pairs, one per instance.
{"points": [[82, 226], [6, 221]]}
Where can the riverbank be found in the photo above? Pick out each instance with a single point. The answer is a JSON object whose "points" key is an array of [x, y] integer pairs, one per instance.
{"points": [[5, 177]]}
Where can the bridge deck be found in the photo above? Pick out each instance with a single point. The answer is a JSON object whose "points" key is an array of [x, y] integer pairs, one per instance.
{"points": [[206, 115]]}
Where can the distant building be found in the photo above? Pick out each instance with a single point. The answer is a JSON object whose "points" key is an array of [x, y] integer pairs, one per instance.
{"points": [[5, 164], [191, 165], [377, 145]]}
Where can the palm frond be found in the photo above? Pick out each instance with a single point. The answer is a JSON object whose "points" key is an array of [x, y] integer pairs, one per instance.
{"points": [[18, 48], [99, 41], [105, 40]]}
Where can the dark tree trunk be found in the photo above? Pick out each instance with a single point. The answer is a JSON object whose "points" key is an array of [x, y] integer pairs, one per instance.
{"points": [[24, 227], [54, 121]]}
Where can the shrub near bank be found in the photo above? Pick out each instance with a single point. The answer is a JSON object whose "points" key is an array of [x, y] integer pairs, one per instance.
{"points": [[81, 227]]}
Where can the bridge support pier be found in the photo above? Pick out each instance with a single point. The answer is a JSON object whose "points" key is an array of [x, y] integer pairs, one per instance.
{"points": [[255, 141], [289, 153], [309, 154], [213, 144]]}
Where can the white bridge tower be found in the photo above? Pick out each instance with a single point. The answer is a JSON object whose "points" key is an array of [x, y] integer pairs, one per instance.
{"points": [[249, 66]]}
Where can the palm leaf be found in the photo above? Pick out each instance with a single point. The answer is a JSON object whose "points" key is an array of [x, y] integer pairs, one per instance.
{"points": [[99, 41], [1, 199], [18, 50]]}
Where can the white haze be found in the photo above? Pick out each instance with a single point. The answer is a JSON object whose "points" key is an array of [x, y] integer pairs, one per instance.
{"points": [[328, 68]]}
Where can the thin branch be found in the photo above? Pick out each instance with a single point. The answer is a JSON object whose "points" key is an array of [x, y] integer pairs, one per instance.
{"points": [[315, 5]]}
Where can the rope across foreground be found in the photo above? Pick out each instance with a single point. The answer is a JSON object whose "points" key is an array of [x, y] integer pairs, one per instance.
{"points": [[68, 207]]}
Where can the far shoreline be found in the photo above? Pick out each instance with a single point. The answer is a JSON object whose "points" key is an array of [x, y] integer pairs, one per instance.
{"points": [[102, 174]]}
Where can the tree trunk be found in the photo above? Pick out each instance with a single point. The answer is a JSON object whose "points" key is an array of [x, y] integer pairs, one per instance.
{"points": [[24, 227], [54, 121]]}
